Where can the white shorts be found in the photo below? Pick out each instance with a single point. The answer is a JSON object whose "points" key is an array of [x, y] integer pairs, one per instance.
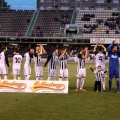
{"points": [[16, 71], [3, 70], [39, 71], [81, 72], [27, 70], [63, 73], [52, 72]]}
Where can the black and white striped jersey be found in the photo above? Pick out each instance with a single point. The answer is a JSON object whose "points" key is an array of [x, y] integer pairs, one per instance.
{"points": [[63, 62], [52, 61], [80, 61], [98, 74], [37, 59]]}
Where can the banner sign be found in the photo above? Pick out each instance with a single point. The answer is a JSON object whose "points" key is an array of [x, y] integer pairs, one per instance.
{"points": [[103, 40], [32, 86]]}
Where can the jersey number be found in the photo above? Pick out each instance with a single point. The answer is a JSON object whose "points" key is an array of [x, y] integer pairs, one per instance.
{"points": [[100, 58], [18, 60]]}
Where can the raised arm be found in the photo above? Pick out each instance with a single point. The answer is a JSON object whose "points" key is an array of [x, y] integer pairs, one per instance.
{"points": [[91, 69], [62, 54], [95, 47], [104, 48], [43, 50], [105, 71], [86, 54], [40, 51], [67, 55], [109, 47]]}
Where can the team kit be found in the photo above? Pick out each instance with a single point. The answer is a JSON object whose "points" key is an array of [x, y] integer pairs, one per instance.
{"points": [[62, 56]]}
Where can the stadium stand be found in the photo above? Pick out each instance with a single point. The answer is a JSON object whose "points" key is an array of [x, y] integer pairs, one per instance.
{"points": [[15, 23], [49, 22], [104, 24]]}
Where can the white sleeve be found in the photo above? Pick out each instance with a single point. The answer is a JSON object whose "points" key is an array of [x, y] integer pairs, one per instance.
{"points": [[76, 59], [95, 71], [102, 72], [21, 57]]}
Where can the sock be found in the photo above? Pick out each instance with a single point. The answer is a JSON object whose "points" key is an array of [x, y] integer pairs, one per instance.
{"points": [[49, 78], [19, 78], [28, 77], [82, 83], [60, 79], [110, 85], [36, 78], [77, 83], [66, 79], [5, 77], [117, 83], [41, 78], [54, 78], [103, 83]]}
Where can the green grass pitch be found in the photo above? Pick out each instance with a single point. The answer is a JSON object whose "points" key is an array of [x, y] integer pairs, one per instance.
{"points": [[72, 106]]}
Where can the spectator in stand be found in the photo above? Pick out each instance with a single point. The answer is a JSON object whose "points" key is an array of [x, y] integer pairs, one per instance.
{"points": [[107, 31], [116, 31], [19, 33]]}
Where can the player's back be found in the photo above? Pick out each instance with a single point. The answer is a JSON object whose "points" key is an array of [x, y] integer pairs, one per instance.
{"points": [[81, 61], [52, 63], [100, 59], [26, 59], [17, 61], [37, 59], [63, 62], [2, 58]]}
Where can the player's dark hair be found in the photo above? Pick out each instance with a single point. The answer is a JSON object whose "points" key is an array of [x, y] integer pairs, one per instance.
{"points": [[99, 48], [27, 49], [3, 48], [63, 48], [114, 46], [16, 50], [81, 48], [99, 66], [54, 49]]}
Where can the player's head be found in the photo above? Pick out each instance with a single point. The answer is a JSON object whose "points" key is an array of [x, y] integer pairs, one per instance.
{"points": [[55, 50], [31, 51], [99, 68], [4, 48], [63, 49], [16, 51], [28, 50], [100, 49], [114, 48], [81, 50]]}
